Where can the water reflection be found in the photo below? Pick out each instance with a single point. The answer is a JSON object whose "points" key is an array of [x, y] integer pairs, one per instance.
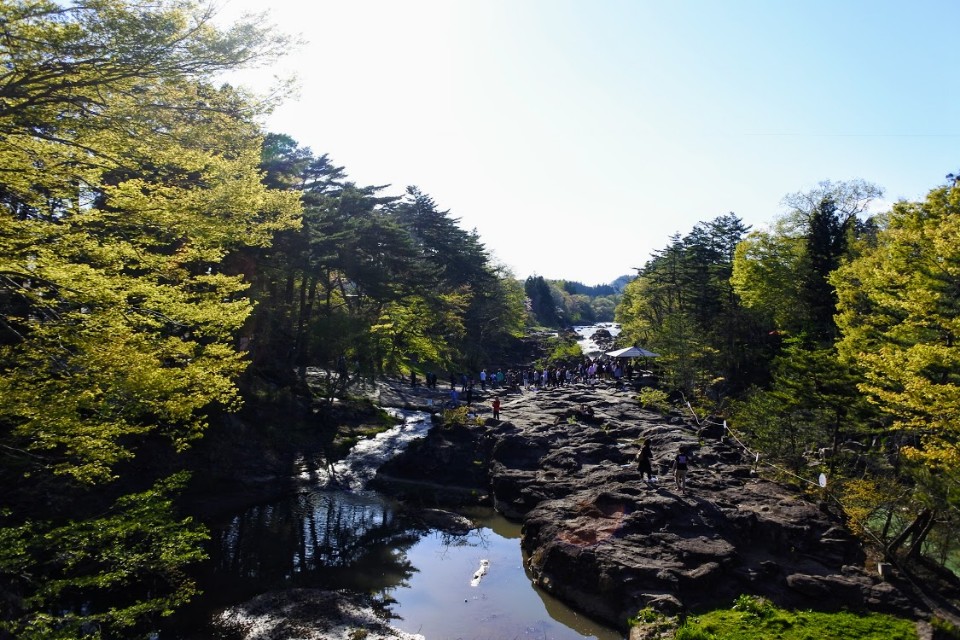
{"points": [[330, 538], [325, 539], [439, 601], [303, 537], [363, 541]]}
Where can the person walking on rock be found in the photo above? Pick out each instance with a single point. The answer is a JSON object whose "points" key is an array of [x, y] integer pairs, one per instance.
{"points": [[496, 408], [645, 461], [680, 470]]}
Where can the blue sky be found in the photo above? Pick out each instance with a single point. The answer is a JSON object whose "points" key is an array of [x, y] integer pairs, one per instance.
{"points": [[577, 136]]}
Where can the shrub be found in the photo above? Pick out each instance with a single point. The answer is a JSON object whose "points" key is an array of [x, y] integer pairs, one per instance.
{"points": [[753, 605], [645, 615], [565, 351], [455, 417], [944, 629], [656, 399]]}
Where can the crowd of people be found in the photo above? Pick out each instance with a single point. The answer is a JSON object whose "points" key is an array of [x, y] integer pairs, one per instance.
{"points": [[555, 376], [533, 378], [588, 370]]}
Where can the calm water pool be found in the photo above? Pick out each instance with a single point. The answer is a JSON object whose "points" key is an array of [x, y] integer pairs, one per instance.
{"points": [[362, 541], [350, 538], [439, 601]]}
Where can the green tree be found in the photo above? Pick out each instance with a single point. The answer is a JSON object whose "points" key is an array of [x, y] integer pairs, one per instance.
{"points": [[364, 262], [458, 266], [899, 315], [826, 244], [371, 283], [783, 274], [682, 306], [420, 329], [128, 179], [497, 317], [812, 404], [764, 276], [542, 304], [603, 308], [456, 257]]}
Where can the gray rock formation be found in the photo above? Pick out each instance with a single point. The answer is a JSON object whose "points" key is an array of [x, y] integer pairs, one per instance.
{"points": [[608, 543], [308, 614]]}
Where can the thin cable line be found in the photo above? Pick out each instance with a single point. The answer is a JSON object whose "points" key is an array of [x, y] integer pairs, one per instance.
{"points": [[855, 135]]}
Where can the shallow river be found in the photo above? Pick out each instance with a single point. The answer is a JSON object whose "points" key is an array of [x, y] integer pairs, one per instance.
{"points": [[335, 538], [586, 332]]}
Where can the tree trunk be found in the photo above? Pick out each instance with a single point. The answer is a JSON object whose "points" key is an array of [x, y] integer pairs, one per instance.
{"points": [[886, 525], [916, 526], [308, 294], [918, 539]]}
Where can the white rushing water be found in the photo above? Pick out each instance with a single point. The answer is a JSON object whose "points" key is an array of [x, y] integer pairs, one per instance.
{"points": [[361, 464], [587, 345]]}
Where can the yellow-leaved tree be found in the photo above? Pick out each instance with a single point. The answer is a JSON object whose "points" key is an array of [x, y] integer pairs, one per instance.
{"points": [[899, 315], [126, 177]]}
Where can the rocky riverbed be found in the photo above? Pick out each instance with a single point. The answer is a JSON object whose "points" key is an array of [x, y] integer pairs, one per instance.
{"points": [[607, 542], [309, 614], [597, 536]]}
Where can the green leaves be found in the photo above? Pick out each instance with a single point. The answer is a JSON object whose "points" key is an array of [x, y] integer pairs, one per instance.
{"points": [[129, 181], [900, 316], [148, 179], [782, 273], [115, 560], [681, 305], [373, 280]]}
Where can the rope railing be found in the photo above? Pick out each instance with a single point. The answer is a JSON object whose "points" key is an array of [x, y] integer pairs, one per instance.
{"points": [[935, 606], [728, 432], [827, 494]]}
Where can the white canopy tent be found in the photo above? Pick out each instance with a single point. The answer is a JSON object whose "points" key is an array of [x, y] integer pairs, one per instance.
{"points": [[632, 352]]}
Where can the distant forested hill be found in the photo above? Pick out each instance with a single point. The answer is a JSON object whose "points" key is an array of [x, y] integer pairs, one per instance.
{"points": [[555, 303]]}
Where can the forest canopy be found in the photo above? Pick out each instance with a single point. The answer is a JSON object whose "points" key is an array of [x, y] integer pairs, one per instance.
{"points": [[826, 343], [159, 253], [128, 179]]}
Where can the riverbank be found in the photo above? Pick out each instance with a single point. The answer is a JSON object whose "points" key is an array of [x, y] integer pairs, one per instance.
{"points": [[597, 536], [610, 544], [410, 559]]}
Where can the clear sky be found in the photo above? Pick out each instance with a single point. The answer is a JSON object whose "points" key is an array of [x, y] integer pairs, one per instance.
{"points": [[576, 136]]}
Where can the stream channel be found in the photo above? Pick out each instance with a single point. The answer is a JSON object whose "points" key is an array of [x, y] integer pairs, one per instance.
{"points": [[334, 534], [586, 334]]}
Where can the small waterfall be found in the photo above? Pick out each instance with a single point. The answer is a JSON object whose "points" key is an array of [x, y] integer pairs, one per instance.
{"points": [[587, 345], [361, 464]]}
